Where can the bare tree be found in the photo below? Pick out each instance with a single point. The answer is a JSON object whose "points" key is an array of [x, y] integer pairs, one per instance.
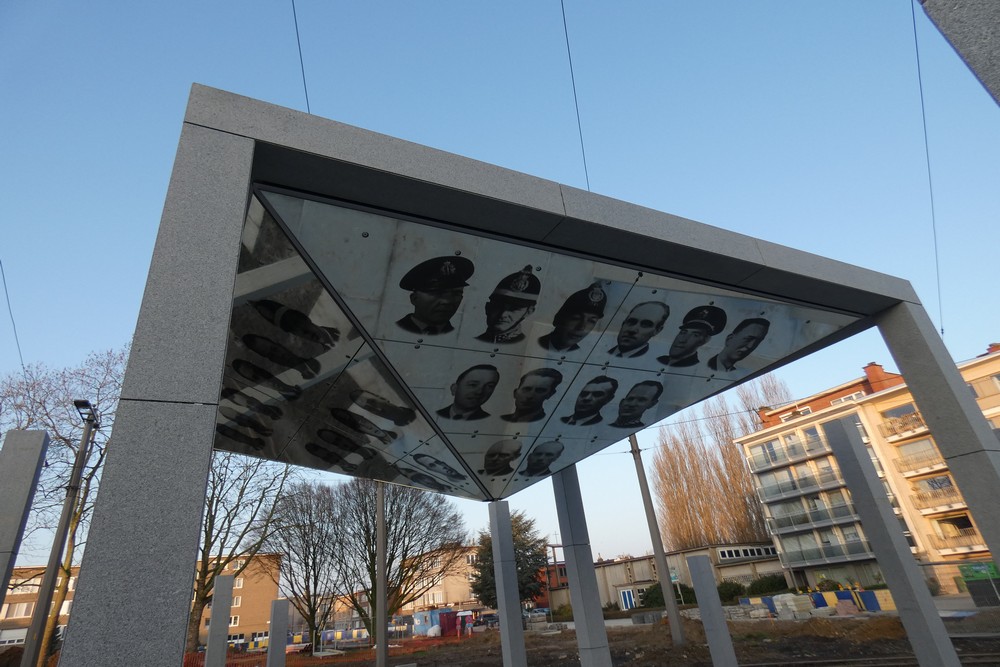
{"points": [[238, 519], [426, 539], [42, 398], [704, 490], [307, 534]]}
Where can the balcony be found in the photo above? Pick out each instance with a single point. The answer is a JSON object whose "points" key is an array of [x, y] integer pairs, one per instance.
{"points": [[921, 463], [894, 428], [828, 553], [938, 500], [816, 518], [966, 540], [789, 453], [790, 488]]}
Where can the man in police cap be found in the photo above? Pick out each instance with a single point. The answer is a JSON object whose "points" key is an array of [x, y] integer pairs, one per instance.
{"points": [[699, 325], [436, 287], [510, 303], [576, 318]]}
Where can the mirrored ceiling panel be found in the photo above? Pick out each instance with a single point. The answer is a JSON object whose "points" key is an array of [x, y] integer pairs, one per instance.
{"points": [[379, 346]]}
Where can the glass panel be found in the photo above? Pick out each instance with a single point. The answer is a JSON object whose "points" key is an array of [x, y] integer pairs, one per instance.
{"points": [[374, 345]]}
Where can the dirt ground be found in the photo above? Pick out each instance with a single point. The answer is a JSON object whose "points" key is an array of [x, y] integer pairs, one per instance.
{"points": [[756, 642]]}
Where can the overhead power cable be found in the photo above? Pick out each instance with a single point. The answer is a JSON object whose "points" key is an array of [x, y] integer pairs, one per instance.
{"points": [[302, 65], [13, 325], [927, 160], [576, 101]]}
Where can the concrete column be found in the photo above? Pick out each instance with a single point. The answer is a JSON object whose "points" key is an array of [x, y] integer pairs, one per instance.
{"points": [[149, 510], [508, 598], [21, 461], [277, 634], [720, 642], [920, 618], [960, 431], [591, 635], [218, 627]]}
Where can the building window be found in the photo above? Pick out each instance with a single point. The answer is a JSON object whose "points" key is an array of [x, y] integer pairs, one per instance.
{"points": [[844, 399], [237, 564], [236, 638], [237, 600], [25, 587], [238, 582], [17, 610], [972, 389], [899, 411], [208, 621], [258, 635], [234, 621], [471, 559]]}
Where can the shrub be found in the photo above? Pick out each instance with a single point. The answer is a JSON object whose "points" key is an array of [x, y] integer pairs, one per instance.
{"points": [[652, 597], [562, 614], [730, 591], [828, 585], [772, 583], [687, 594], [612, 606]]}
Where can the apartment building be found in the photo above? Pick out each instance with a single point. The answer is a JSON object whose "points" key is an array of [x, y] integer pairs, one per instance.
{"points": [[809, 512], [249, 619], [19, 605], [253, 591], [454, 590]]}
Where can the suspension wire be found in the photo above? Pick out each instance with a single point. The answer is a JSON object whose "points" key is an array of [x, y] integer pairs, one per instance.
{"points": [[927, 159], [576, 101], [10, 311], [302, 65]]}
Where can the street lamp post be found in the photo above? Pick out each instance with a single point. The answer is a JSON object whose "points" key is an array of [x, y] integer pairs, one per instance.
{"points": [[33, 648]]}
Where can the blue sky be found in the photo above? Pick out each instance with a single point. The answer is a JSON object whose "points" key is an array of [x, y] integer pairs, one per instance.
{"points": [[799, 123]]}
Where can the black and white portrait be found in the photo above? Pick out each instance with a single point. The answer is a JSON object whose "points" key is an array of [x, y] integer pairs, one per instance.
{"points": [[439, 467], [382, 407], [595, 395], [471, 389], [539, 459], [575, 319], [532, 391], [362, 425], [642, 323], [436, 287], [740, 343], [698, 327], [499, 458], [512, 300], [640, 397]]}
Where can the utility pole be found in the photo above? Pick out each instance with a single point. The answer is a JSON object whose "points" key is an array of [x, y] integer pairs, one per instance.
{"points": [[34, 652], [673, 614]]}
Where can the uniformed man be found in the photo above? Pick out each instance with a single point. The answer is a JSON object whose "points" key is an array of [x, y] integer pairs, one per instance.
{"points": [[576, 318], [740, 342], [510, 303], [436, 287], [595, 395], [471, 390], [498, 458], [540, 458], [535, 388], [640, 398], [698, 327], [643, 322]]}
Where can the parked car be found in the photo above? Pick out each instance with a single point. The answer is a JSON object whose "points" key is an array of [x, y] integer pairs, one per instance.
{"points": [[489, 620]]}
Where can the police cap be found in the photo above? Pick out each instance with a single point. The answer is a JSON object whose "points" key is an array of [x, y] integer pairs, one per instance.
{"points": [[708, 318], [589, 300], [521, 287], [438, 273]]}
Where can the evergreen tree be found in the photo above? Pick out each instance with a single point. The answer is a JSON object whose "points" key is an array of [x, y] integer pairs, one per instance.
{"points": [[530, 556]]}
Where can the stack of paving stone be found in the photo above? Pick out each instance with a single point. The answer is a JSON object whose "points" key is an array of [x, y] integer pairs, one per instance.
{"points": [[791, 606], [743, 612]]}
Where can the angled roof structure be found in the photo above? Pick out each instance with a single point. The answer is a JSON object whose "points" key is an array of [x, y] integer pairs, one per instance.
{"points": [[408, 315]]}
